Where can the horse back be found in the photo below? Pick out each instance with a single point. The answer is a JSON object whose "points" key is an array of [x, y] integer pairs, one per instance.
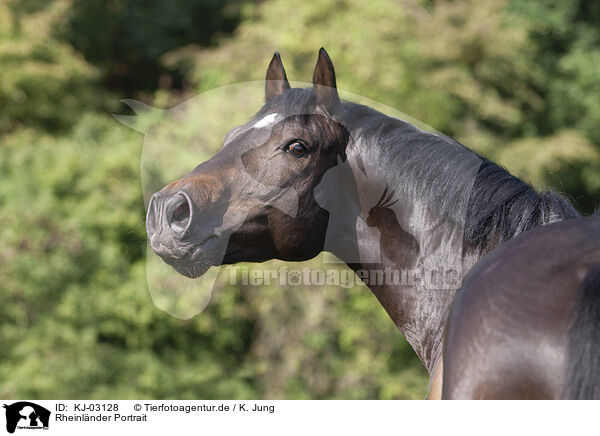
{"points": [[508, 330]]}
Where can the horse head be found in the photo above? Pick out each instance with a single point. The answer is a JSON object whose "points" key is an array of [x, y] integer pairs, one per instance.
{"points": [[254, 200]]}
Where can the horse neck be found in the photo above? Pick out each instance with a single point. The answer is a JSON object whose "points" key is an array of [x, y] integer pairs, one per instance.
{"points": [[489, 206], [406, 248]]}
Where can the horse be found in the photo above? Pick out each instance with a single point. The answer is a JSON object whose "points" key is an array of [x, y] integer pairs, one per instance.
{"points": [[312, 173], [526, 322]]}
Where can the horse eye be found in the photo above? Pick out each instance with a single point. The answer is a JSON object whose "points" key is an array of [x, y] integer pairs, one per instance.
{"points": [[297, 149]]}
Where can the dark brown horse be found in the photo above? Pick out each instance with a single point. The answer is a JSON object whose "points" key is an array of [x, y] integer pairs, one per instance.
{"points": [[310, 173], [526, 322]]}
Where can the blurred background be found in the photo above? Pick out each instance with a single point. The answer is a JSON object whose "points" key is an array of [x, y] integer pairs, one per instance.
{"points": [[516, 80]]}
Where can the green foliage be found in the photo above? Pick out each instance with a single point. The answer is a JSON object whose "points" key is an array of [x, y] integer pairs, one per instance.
{"points": [[44, 83], [516, 80]]}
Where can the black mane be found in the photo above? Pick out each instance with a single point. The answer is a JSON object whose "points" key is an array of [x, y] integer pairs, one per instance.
{"points": [[501, 206]]}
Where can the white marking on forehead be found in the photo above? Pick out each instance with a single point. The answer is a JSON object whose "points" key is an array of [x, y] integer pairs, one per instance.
{"points": [[269, 119]]}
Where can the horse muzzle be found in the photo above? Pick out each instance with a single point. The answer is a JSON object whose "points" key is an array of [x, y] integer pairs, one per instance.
{"points": [[168, 220]]}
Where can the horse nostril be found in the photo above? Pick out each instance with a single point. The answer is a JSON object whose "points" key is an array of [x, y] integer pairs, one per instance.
{"points": [[181, 212], [181, 215]]}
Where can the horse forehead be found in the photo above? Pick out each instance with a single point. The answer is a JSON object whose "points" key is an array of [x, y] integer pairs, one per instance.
{"points": [[236, 133]]}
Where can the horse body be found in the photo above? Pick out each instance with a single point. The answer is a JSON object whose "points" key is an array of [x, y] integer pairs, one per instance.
{"points": [[310, 173], [508, 331]]}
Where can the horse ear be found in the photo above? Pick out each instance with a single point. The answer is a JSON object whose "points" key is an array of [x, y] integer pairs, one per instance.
{"points": [[276, 81], [324, 83]]}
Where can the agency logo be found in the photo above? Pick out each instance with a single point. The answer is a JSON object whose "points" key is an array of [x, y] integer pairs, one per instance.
{"points": [[26, 415]]}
